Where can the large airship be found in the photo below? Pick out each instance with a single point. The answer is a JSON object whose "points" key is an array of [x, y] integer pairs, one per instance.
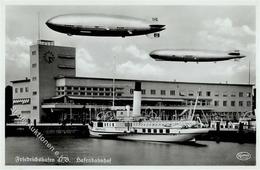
{"points": [[186, 55], [103, 25]]}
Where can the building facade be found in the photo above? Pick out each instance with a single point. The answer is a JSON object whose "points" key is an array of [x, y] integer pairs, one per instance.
{"points": [[56, 94]]}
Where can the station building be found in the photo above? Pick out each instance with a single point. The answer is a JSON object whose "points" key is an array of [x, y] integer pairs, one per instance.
{"points": [[53, 93]]}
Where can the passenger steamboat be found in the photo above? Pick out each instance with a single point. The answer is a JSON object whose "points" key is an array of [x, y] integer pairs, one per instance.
{"points": [[122, 124]]}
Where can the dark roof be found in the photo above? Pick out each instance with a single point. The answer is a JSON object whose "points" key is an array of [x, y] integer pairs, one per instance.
{"points": [[155, 81], [21, 81]]}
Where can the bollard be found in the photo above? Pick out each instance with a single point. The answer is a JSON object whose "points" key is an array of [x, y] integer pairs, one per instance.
{"points": [[218, 127], [240, 129], [34, 122]]}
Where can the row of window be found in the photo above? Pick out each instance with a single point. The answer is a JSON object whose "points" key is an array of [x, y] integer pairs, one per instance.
{"points": [[232, 103], [21, 90], [156, 130], [88, 94], [85, 88], [154, 92], [191, 93]]}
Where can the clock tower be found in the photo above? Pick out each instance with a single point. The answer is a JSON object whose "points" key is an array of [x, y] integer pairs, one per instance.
{"points": [[47, 62]]}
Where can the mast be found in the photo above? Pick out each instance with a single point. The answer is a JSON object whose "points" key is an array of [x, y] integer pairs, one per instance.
{"points": [[249, 73], [39, 34], [114, 73]]}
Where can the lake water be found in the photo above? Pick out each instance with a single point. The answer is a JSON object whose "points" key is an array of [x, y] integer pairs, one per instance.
{"points": [[94, 151]]}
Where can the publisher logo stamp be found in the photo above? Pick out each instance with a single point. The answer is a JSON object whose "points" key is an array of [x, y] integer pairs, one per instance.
{"points": [[243, 156]]}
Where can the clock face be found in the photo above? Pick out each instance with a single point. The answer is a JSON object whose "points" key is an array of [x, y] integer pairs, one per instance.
{"points": [[49, 57]]}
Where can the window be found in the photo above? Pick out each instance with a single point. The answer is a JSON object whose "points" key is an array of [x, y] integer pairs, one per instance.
{"points": [[216, 94], [34, 107], [208, 93], [161, 130], [88, 88], [107, 89], [21, 90], [233, 94], [69, 93], [149, 130], [33, 52], [76, 88], [33, 78], [88, 94], [82, 88], [155, 131], [225, 94], [16, 90], [143, 91], [191, 93], [34, 65], [94, 89], [95, 94], [119, 94], [34, 92], [182, 93], [216, 103], [107, 94], [240, 94], [82, 93], [172, 92], [240, 103], [143, 130], [225, 103], [101, 89], [248, 94], [69, 88], [153, 92], [26, 89], [163, 92], [167, 130], [248, 103], [199, 93], [131, 91], [233, 103]]}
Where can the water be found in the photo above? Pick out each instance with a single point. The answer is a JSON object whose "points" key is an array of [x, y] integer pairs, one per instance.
{"points": [[119, 152]]}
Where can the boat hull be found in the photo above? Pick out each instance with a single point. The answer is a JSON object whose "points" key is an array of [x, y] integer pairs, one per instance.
{"points": [[182, 135]]}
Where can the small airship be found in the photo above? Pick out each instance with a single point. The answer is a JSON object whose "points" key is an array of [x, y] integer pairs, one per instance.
{"points": [[103, 25], [186, 55]]}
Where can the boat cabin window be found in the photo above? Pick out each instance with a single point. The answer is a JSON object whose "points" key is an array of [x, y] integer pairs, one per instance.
{"points": [[155, 131], [161, 130], [167, 130], [99, 124], [143, 130], [149, 130]]}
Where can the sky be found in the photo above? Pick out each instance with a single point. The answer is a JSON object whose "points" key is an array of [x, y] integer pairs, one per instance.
{"points": [[221, 28]]}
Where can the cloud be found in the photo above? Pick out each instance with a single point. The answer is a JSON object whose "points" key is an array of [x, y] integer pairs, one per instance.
{"points": [[17, 56], [221, 33], [140, 70], [85, 63], [131, 51], [224, 27], [17, 51], [136, 52]]}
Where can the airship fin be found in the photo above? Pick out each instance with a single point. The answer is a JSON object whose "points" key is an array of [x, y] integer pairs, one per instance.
{"points": [[155, 19]]}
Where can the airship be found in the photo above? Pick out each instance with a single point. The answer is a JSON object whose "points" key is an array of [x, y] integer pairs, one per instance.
{"points": [[187, 55], [103, 25]]}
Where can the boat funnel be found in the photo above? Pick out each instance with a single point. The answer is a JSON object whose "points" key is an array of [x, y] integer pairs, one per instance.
{"points": [[137, 99]]}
